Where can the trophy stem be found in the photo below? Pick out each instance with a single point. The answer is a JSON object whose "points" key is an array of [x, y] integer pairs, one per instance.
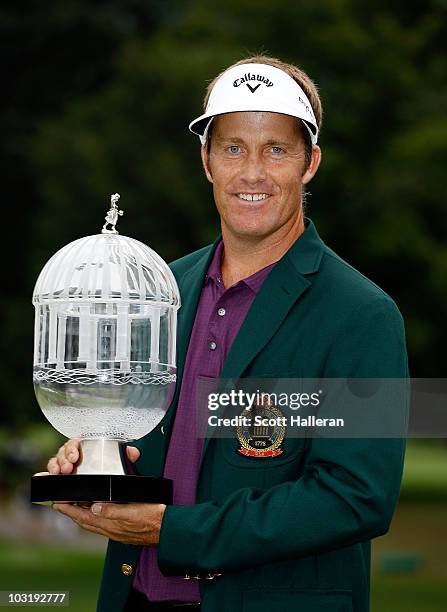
{"points": [[101, 456]]}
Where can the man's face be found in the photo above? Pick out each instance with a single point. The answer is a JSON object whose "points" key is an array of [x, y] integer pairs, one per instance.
{"points": [[257, 167]]}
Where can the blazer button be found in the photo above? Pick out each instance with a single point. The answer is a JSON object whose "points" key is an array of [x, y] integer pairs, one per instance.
{"points": [[127, 569]]}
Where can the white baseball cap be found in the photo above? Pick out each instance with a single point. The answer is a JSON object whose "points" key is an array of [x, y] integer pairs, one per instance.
{"points": [[256, 87]]}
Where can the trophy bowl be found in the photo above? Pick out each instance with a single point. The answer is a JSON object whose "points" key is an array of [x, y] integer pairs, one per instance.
{"points": [[104, 360]]}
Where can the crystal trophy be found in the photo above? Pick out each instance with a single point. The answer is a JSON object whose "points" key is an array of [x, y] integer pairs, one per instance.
{"points": [[104, 360]]}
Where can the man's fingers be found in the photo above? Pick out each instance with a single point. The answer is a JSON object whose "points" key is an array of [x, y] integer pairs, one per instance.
{"points": [[116, 512], [53, 466], [67, 456], [66, 467], [123, 512], [127, 523], [80, 515], [133, 453], [110, 511], [93, 517], [72, 450]]}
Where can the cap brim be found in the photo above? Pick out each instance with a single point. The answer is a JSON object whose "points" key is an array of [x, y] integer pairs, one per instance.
{"points": [[199, 125]]}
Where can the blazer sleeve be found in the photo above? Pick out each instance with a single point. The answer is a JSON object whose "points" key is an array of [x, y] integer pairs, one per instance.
{"points": [[346, 494]]}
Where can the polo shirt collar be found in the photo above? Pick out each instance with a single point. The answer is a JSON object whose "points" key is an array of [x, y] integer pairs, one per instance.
{"points": [[214, 273]]}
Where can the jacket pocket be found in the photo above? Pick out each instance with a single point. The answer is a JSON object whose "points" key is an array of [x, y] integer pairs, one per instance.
{"points": [[297, 600]]}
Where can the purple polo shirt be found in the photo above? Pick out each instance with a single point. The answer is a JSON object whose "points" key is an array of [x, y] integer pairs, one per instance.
{"points": [[220, 313]]}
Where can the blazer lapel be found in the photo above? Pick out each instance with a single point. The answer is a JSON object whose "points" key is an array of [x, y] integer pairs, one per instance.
{"points": [[283, 287]]}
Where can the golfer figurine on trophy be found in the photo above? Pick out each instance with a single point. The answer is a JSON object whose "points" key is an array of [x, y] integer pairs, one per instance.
{"points": [[112, 215], [104, 360]]}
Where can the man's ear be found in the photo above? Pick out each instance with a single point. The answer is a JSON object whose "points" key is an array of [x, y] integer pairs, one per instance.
{"points": [[313, 166], [206, 163]]}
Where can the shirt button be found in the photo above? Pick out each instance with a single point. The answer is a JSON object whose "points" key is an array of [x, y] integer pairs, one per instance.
{"points": [[213, 345], [221, 312]]}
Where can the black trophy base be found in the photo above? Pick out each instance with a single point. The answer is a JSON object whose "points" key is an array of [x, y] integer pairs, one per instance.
{"points": [[87, 488]]}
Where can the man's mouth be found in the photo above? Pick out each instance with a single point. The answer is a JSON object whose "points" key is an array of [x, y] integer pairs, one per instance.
{"points": [[253, 197]]}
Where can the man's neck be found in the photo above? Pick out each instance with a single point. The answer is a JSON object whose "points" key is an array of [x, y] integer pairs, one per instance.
{"points": [[243, 257]]}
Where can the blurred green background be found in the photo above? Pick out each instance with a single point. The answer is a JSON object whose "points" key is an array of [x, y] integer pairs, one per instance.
{"points": [[96, 98]]}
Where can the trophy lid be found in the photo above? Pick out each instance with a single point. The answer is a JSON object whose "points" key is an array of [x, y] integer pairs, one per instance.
{"points": [[107, 267]]}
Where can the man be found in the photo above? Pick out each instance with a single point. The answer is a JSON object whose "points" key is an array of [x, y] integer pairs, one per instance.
{"points": [[259, 530]]}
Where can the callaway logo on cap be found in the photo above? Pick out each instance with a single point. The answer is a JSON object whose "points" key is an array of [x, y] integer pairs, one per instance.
{"points": [[256, 87]]}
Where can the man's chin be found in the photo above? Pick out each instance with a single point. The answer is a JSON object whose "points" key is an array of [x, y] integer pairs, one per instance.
{"points": [[250, 234]]}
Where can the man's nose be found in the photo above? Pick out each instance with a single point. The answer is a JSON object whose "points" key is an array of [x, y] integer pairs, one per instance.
{"points": [[254, 169]]}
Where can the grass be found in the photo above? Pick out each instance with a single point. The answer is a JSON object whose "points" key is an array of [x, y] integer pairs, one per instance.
{"points": [[36, 567], [425, 471], [417, 536], [408, 593]]}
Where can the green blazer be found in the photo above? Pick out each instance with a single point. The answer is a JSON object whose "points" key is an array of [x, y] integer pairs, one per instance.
{"points": [[290, 532]]}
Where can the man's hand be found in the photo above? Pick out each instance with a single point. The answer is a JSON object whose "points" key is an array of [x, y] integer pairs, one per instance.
{"points": [[137, 524], [68, 458]]}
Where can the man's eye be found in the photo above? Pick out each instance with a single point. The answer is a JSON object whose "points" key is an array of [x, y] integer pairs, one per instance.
{"points": [[234, 149], [277, 150]]}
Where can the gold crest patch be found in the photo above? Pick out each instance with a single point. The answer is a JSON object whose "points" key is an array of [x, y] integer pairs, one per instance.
{"points": [[263, 433]]}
